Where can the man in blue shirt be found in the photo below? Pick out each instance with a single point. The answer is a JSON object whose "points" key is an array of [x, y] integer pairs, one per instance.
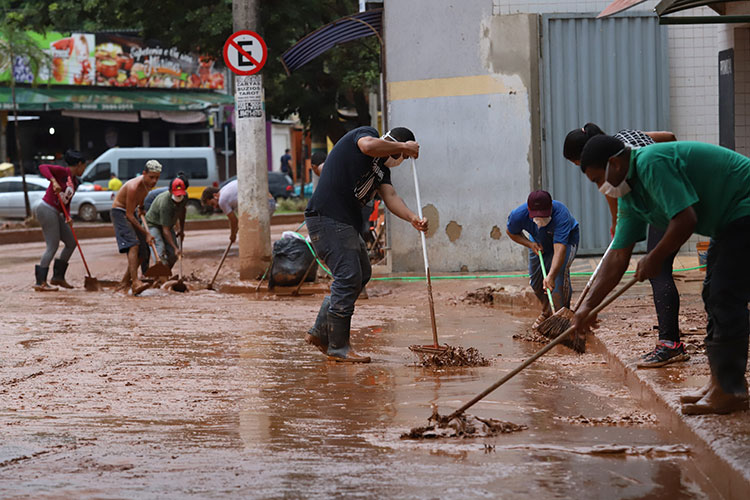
{"points": [[286, 163], [554, 232]]}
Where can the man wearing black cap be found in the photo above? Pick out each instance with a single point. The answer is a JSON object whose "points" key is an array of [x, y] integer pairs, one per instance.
{"points": [[554, 232], [684, 188], [357, 167]]}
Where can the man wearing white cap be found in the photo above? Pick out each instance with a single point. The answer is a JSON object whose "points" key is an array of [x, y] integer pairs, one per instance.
{"points": [[132, 237]]}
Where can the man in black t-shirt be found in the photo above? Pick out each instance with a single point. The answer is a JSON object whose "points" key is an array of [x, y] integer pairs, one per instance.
{"points": [[356, 168]]}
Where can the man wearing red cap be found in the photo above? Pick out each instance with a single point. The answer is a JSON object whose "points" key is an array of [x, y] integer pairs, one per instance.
{"points": [[166, 209], [553, 231]]}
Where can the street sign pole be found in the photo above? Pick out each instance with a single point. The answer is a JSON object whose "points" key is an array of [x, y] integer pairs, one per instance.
{"points": [[250, 138]]}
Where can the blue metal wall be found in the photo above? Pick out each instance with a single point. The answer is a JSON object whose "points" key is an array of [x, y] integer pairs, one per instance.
{"points": [[613, 72]]}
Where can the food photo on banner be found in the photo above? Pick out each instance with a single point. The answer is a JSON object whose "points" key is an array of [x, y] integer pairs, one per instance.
{"points": [[114, 60]]}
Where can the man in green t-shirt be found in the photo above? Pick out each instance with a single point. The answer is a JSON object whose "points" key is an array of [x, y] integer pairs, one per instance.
{"points": [[166, 210], [683, 187]]}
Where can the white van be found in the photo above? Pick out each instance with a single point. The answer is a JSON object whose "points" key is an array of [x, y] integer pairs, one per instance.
{"points": [[199, 165]]}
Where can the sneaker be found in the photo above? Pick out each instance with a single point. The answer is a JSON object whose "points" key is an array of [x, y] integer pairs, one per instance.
{"points": [[663, 355]]}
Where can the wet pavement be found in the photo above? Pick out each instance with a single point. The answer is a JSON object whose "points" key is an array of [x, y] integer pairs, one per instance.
{"points": [[213, 395]]}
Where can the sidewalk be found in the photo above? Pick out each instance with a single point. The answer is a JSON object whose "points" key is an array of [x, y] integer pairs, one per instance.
{"points": [[721, 442]]}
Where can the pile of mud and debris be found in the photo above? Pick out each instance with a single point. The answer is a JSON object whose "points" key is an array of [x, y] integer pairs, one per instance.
{"points": [[497, 295], [627, 419], [450, 356], [463, 426]]}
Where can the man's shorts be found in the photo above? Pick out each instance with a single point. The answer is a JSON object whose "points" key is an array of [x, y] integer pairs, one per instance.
{"points": [[127, 237]]}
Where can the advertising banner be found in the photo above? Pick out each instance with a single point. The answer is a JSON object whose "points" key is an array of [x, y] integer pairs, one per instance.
{"points": [[123, 61], [113, 60]]}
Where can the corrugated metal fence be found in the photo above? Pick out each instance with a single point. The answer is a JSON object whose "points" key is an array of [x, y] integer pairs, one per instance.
{"points": [[613, 72]]}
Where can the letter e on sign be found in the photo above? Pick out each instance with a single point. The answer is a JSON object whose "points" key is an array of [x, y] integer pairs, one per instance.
{"points": [[245, 52]]}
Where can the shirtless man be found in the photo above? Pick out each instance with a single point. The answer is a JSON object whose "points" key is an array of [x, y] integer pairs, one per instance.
{"points": [[132, 237]]}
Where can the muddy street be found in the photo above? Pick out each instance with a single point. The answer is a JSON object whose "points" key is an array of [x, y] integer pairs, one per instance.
{"points": [[207, 394]]}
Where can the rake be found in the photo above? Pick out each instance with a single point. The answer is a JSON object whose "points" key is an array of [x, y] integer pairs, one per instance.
{"points": [[435, 348]]}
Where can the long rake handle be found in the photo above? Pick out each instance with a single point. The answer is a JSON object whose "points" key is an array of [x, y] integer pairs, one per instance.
{"points": [[544, 274], [591, 279], [424, 254], [541, 352], [220, 264], [70, 223]]}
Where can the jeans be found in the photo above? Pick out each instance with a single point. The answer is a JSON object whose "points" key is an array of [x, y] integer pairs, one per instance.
{"points": [[726, 293], [666, 296], [54, 230], [166, 252], [563, 289], [341, 248]]}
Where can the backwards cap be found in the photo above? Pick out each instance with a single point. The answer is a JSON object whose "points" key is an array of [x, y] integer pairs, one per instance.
{"points": [[153, 166]]}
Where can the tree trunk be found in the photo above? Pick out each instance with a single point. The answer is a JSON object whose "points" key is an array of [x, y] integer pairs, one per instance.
{"points": [[19, 154]]}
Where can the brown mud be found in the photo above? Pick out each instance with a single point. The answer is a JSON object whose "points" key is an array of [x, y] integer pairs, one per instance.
{"points": [[451, 356], [462, 426], [207, 394]]}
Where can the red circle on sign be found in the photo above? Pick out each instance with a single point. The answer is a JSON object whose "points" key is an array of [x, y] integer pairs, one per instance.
{"points": [[230, 42]]}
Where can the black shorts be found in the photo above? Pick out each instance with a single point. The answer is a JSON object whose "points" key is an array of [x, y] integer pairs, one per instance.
{"points": [[126, 235]]}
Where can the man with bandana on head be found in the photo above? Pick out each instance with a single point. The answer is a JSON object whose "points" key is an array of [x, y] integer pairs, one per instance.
{"points": [[554, 232], [132, 238], [355, 169]]}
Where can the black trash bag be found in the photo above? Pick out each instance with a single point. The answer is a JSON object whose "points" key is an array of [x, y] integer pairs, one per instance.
{"points": [[291, 258]]}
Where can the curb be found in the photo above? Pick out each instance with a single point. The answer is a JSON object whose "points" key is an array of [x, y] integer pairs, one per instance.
{"points": [[718, 471], [104, 230]]}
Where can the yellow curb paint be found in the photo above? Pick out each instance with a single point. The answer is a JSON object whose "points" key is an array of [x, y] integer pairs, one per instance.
{"points": [[445, 87]]}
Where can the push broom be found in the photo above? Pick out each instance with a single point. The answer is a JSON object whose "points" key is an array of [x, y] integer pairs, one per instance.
{"points": [[560, 320]]}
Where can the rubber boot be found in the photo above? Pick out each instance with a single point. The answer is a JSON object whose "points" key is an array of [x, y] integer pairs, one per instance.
{"points": [[58, 274], [318, 334], [339, 348], [41, 280]]}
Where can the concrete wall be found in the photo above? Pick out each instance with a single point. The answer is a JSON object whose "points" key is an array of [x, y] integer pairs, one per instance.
{"points": [[466, 83], [464, 77]]}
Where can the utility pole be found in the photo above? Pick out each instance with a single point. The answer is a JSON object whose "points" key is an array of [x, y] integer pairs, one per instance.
{"points": [[252, 167]]}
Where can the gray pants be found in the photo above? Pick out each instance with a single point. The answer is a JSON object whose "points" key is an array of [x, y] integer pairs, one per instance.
{"points": [[54, 229]]}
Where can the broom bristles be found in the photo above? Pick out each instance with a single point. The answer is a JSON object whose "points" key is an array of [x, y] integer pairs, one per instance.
{"points": [[558, 323]]}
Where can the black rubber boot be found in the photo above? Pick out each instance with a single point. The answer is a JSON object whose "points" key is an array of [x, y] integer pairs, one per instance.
{"points": [[58, 274], [41, 280], [339, 348], [320, 328]]}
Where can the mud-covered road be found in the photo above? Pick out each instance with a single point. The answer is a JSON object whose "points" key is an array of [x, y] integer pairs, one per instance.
{"points": [[210, 395]]}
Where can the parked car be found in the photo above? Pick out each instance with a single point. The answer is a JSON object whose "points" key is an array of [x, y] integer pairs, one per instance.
{"points": [[279, 185], [86, 205]]}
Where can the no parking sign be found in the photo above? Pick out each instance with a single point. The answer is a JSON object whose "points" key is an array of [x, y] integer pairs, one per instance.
{"points": [[245, 52]]}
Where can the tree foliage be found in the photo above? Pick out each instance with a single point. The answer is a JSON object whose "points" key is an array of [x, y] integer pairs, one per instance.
{"points": [[340, 78], [16, 43]]}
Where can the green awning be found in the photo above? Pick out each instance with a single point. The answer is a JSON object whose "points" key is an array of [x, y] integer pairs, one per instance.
{"points": [[98, 99]]}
